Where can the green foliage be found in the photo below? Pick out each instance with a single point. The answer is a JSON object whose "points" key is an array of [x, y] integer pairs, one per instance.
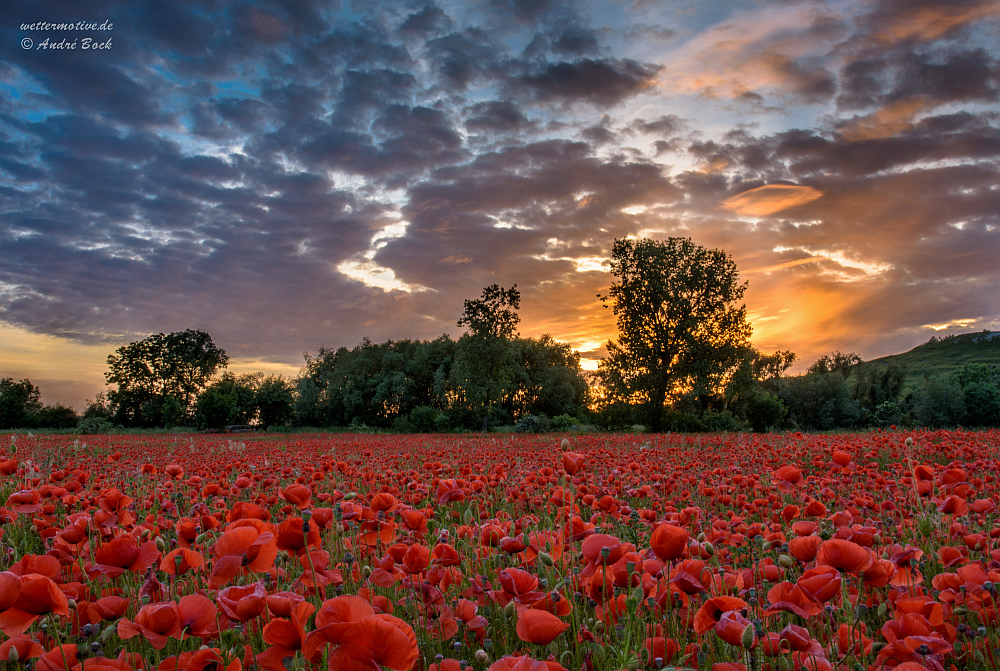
{"points": [[565, 422], [422, 419], [148, 371], [94, 425], [946, 355], [484, 367], [245, 399], [19, 403], [55, 417], [940, 402], [273, 398], [877, 388], [820, 402], [764, 411], [528, 424], [681, 327], [836, 362]]}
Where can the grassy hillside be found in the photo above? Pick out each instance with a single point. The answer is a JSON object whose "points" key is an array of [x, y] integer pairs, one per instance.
{"points": [[948, 354]]}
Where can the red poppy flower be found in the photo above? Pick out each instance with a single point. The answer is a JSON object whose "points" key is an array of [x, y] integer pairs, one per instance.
{"points": [[124, 554], [379, 640], [38, 596], [538, 626], [245, 544], [25, 648], [156, 622], [243, 602], [285, 637], [297, 495], [844, 555], [572, 462], [669, 542], [708, 615], [804, 548]]}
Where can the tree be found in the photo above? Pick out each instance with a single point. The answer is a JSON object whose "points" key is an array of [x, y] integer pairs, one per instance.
{"points": [[20, 402], [835, 363], [485, 361], [148, 371], [681, 329]]}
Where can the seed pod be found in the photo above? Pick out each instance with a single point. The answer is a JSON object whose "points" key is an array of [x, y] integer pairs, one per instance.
{"points": [[747, 639]]}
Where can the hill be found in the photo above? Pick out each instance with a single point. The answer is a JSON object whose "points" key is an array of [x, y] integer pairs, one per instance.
{"points": [[948, 354]]}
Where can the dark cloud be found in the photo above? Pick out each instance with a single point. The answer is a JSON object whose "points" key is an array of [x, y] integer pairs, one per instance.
{"points": [[496, 116], [601, 82], [238, 167]]}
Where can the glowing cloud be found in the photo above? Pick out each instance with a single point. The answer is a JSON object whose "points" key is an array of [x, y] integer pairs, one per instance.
{"points": [[766, 200]]}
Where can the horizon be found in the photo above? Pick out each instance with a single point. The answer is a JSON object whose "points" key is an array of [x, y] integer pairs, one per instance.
{"points": [[290, 177]]}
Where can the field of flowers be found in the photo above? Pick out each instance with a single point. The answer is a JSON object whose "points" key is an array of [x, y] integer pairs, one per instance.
{"points": [[500, 553]]}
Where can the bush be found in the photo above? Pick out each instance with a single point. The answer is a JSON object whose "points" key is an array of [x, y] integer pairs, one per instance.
{"points": [[422, 419], [764, 411], [528, 424], [939, 403], [820, 401], [564, 423], [716, 421], [94, 425]]}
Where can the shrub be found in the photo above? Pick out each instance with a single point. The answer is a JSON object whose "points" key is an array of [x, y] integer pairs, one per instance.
{"points": [[422, 419], [528, 424], [563, 422], [94, 425], [939, 403], [718, 421]]}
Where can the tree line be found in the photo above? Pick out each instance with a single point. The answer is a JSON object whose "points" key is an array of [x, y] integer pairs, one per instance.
{"points": [[682, 362]]}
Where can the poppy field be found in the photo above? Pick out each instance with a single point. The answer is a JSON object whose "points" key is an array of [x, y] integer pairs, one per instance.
{"points": [[500, 553]]}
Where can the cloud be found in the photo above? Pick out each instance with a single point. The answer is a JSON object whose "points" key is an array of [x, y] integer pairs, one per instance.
{"points": [[767, 200]]}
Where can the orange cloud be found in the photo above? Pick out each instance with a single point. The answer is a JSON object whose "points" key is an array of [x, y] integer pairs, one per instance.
{"points": [[782, 266], [885, 122], [766, 200], [932, 23]]}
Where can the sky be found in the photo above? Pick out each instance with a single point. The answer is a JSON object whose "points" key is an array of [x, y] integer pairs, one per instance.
{"points": [[294, 175]]}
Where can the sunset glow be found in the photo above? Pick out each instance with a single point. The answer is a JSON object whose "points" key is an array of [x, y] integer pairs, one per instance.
{"points": [[289, 177]]}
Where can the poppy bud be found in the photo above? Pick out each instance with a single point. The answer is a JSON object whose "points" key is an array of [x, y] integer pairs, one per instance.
{"points": [[909, 441], [349, 496], [564, 445], [747, 638], [12, 655], [883, 608], [599, 627], [701, 537], [877, 646], [784, 664], [545, 558], [710, 549], [468, 516], [71, 603], [510, 609], [108, 633], [160, 545], [784, 561], [366, 572], [482, 656], [200, 538]]}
